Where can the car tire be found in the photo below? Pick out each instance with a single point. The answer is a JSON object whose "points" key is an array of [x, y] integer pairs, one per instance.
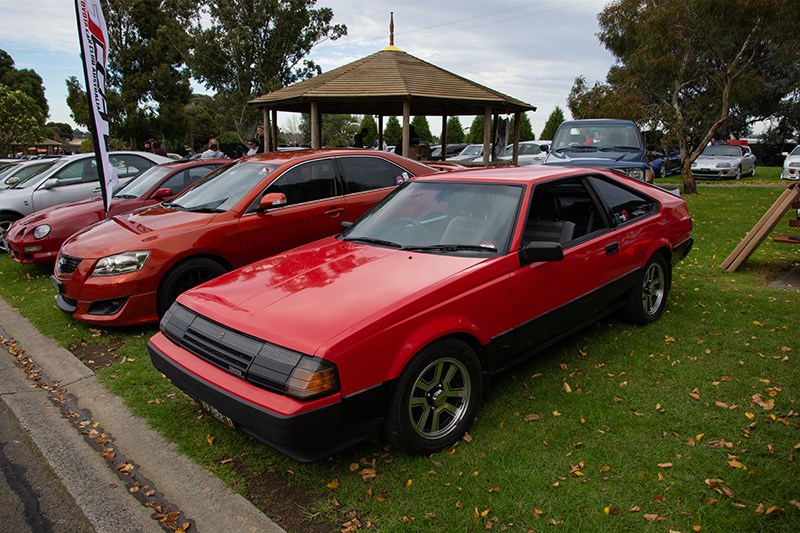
{"points": [[648, 297], [6, 219], [184, 276], [662, 172], [753, 172], [738, 174], [436, 398]]}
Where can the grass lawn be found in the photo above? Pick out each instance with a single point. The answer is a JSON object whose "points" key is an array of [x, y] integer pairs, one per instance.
{"points": [[689, 424]]}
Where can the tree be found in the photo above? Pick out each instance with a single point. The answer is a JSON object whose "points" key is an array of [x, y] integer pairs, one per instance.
{"points": [[59, 131], [692, 64], [244, 48], [475, 135], [393, 133], [420, 123], [368, 121], [337, 129], [202, 122], [25, 80], [76, 100], [455, 131], [525, 129], [21, 119], [553, 122]]}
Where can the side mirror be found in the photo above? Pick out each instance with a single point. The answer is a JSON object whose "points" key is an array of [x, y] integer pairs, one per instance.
{"points": [[272, 200], [537, 251], [345, 224], [785, 154], [12, 181], [163, 192], [50, 183]]}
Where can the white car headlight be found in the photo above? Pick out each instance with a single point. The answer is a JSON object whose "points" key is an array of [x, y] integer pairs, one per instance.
{"points": [[123, 263], [723, 165], [635, 173], [40, 232]]}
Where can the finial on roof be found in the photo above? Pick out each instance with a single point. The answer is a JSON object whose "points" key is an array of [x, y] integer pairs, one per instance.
{"points": [[391, 33]]}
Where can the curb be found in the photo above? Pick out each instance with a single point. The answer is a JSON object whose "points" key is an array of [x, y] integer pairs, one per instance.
{"points": [[201, 497]]}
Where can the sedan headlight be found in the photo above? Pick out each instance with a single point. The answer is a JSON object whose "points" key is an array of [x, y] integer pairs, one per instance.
{"points": [[123, 263], [40, 232], [723, 165], [635, 173]]}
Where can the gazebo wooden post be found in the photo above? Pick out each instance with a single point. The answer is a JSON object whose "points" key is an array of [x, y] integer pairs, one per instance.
{"points": [[267, 131], [315, 126], [274, 129], [487, 134], [380, 132], [517, 128], [406, 128], [443, 153]]}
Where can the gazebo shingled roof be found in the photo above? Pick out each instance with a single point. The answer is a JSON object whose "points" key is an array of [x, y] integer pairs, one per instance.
{"points": [[379, 84]]}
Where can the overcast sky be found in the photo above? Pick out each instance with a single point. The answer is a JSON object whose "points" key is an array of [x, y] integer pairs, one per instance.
{"points": [[530, 50]]}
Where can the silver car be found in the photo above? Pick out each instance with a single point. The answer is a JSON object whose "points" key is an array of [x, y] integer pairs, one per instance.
{"points": [[530, 152], [69, 178], [22, 171], [791, 166], [724, 161]]}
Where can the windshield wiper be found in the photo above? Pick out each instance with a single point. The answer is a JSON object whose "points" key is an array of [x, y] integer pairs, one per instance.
{"points": [[580, 148], [370, 240], [451, 248], [125, 196], [620, 148]]}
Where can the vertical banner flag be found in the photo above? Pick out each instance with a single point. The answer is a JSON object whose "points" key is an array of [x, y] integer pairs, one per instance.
{"points": [[94, 50]]}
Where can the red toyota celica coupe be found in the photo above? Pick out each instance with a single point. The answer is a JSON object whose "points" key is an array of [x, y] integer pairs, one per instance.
{"points": [[392, 327]]}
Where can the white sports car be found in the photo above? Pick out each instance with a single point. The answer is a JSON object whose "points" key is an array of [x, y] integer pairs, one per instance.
{"points": [[724, 161], [791, 166]]}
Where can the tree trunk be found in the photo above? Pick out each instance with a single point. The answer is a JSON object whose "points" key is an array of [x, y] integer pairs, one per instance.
{"points": [[689, 185]]}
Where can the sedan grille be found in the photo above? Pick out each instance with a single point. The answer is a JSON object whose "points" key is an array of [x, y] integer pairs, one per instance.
{"points": [[67, 264], [261, 363]]}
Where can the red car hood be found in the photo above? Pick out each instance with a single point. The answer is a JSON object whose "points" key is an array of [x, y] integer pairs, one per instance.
{"points": [[132, 231], [307, 296], [78, 210]]}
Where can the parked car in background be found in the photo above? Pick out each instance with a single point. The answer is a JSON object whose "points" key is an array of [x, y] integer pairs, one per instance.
{"points": [[667, 164], [70, 178], [478, 270], [37, 238], [471, 152], [530, 152], [20, 172], [452, 150], [129, 269], [724, 161], [601, 143], [791, 165]]}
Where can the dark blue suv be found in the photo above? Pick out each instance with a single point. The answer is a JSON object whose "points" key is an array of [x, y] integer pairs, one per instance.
{"points": [[601, 143]]}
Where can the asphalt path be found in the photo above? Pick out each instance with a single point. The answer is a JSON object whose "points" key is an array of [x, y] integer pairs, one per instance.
{"points": [[74, 459]]}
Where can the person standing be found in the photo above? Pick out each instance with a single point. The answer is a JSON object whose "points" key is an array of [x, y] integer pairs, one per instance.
{"points": [[358, 138], [213, 151], [252, 147], [158, 149], [260, 139]]}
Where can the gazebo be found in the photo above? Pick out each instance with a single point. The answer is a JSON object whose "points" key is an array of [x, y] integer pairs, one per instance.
{"points": [[390, 82]]}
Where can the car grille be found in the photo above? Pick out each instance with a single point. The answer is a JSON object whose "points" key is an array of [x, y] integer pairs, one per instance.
{"points": [[67, 264], [260, 363]]}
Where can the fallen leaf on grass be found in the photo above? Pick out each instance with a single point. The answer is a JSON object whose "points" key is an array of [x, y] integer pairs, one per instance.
{"points": [[665, 465], [695, 394], [333, 484], [654, 517], [567, 388], [210, 439], [531, 417], [766, 405]]}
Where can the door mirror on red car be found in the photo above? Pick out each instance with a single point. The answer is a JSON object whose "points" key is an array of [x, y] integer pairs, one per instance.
{"points": [[272, 200], [163, 192], [537, 251]]}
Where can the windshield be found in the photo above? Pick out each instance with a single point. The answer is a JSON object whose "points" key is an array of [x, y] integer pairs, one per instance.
{"points": [[442, 217], [143, 182], [223, 188], [796, 151], [23, 172], [597, 137], [472, 149], [524, 149], [722, 151]]}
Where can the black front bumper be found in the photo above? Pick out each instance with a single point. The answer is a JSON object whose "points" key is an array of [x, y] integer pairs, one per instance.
{"points": [[306, 438]]}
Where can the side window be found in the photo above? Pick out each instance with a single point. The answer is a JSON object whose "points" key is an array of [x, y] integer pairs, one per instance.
{"points": [[314, 180], [562, 211], [624, 204], [128, 165], [183, 179], [369, 173], [78, 172]]}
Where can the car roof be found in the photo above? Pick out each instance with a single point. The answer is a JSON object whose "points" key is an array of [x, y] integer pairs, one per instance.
{"points": [[281, 157], [523, 175], [178, 165]]}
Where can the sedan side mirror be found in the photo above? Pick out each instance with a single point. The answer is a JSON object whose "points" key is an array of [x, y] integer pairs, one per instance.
{"points": [[272, 200], [50, 183], [12, 181], [163, 192], [537, 251]]}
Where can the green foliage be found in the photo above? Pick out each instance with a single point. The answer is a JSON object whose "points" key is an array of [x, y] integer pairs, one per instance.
{"points": [[244, 48], [525, 129], [202, 122], [420, 124], [475, 135], [553, 122], [455, 131], [21, 119], [76, 100], [368, 121], [25, 80], [393, 132], [59, 131]]}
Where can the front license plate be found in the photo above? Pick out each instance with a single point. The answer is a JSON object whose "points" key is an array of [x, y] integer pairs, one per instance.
{"points": [[213, 411]]}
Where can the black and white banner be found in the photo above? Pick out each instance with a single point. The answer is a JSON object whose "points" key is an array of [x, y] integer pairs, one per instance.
{"points": [[94, 49]]}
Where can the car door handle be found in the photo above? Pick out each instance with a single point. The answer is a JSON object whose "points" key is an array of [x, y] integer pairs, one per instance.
{"points": [[612, 248], [334, 211]]}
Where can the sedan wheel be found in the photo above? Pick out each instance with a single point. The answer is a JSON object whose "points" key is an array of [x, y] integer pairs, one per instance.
{"points": [[738, 173], [436, 398], [183, 277], [648, 298], [662, 172], [5, 223]]}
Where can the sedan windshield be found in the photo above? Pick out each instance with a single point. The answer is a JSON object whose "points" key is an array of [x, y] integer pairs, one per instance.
{"points": [[142, 183], [442, 217], [223, 188]]}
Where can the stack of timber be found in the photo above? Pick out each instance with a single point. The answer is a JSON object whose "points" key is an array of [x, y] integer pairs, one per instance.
{"points": [[790, 198]]}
